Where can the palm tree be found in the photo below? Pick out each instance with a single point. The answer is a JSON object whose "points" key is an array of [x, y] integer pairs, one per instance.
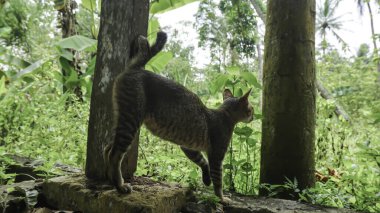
{"points": [[361, 4], [328, 22]]}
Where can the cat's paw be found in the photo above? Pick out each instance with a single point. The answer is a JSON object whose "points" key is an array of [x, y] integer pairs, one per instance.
{"points": [[226, 201], [124, 189]]}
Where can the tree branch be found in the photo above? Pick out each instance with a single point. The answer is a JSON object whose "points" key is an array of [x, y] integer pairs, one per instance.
{"points": [[339, 111]]}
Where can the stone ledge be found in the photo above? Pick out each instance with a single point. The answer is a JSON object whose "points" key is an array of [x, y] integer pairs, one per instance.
{"points": [[249, 204], [77, 193], [80, 194]]}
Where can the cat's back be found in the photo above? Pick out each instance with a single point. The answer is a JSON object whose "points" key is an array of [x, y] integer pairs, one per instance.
{"points": [[161, 90], [174, 112]]}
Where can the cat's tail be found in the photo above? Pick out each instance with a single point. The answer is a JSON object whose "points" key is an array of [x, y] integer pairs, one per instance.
{"points": [[141, 52]]}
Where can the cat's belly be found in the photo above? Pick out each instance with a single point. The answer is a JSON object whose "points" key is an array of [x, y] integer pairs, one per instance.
{"points": [[192, 135]]}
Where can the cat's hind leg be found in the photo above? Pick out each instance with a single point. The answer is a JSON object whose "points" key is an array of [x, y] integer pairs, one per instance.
{"points": [[199, 159], [120, 147], [127, 123]]}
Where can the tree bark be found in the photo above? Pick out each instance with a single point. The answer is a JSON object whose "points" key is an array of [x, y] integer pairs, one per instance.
{"points": [[372, 28], [339, 110], [289, 105], [67, 17], [120, 22], [375, 50]]}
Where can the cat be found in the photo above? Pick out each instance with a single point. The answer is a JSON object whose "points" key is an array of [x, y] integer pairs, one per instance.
{"points": [[173, 113]]}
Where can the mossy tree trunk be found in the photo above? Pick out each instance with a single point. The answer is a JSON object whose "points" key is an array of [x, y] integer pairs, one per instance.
{"points": [[289, 95], [120, 22], [67, 19]]}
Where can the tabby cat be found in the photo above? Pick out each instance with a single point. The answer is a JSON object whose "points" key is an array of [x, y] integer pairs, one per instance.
{"points": [[173, 113]]}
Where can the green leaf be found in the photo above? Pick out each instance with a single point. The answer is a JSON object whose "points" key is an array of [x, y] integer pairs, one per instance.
{"points": [[233, 70], [258, 116], [153, 28], [247, 167], [193, 174], [89, 4], [251, 79], [78, 43], [219, 83], [251, 142], [158, 62], [244, 131], [28, 79], [5, 32], [238, 92], [14, 60], [36, 65], [3, 89], [71, 76], [67, 54], [91, 66], [72, 80], [162, 6], [58, 76], [228, 166]]}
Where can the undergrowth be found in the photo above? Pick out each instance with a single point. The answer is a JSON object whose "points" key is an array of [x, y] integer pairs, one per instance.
{"points": [[36, 121]]}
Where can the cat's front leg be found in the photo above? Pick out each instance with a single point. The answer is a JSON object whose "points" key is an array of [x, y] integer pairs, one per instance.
{"points": [[215, 159]]}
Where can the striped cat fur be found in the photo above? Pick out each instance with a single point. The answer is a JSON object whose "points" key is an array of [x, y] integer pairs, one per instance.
{"points": [[171, 112]]}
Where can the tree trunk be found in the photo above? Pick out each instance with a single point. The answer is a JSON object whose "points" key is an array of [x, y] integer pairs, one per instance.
{"points": [[289, 104], [120, 22], [339, 110], [259, 10], [67, 17], [372, 28], [375, 50]]}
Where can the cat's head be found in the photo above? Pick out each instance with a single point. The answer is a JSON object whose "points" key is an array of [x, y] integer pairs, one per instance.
{"points": [[239, 108]]}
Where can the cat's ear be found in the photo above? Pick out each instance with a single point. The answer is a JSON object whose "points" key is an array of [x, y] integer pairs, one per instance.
{"points": [[227, 94], [246, 95]]}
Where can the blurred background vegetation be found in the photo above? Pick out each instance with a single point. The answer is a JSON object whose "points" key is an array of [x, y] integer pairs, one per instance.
{"points": [[47, 60]]}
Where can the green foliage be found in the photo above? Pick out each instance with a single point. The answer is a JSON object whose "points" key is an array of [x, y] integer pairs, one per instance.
{"points": [[78, 43], [350, 148], [161, 6], [158, 62], [228, 29], [88, 18], [241, 23], [237, 79], [328, 22], [32, 123], [36, 121], [13, 21]]}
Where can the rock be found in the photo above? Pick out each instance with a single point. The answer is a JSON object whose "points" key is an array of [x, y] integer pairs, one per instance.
{"points": [[192, 207], [80, 194], [19, 197], [24, 168], [42, 210]]}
